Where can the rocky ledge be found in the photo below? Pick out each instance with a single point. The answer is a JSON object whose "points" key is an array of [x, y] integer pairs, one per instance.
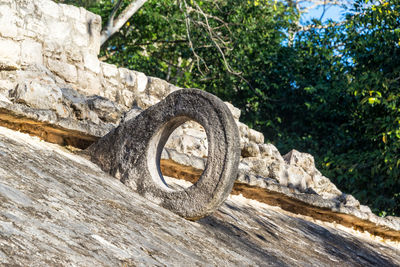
{"points": [[59, 209]]}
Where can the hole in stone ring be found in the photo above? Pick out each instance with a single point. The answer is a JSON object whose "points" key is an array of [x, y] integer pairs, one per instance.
{"points": [[181, 149]]}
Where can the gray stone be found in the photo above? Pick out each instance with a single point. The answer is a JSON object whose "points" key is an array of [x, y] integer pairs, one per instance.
{"points": [[189, 138], [68, 35], [78, 103], [250, 149], [59, 209], [235, 111], [269, 150], [40, 93], [133, 151], [256, 137], [64, 70], [107, 110]]}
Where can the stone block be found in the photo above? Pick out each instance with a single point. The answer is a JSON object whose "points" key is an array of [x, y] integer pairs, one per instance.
{"points": [[126, 98], [59, 32], [235, 111], [91, 62], [48, 8], [8, 26], [72, 12], [109, 70], [93, 28], [31, 52], [269, 150], [9, 55], [250, 149], [256, 137], [142, 81], [128, 78], [66, 71], [302, 160], [89, 83], [35, 28], [157, 87], [40, 93], [80, 40], [105, 109]]}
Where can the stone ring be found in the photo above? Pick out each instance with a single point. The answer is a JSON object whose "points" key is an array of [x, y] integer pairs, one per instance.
{"points": [[132, 152]]}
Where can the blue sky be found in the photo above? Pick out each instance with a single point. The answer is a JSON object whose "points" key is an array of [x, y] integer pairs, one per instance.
{"points": [[332, 12]]}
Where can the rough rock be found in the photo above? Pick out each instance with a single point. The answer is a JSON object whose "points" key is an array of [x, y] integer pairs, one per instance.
{"points": [[107, 110], [40, 93], [133, 150], [59, 209], [9, 55]]}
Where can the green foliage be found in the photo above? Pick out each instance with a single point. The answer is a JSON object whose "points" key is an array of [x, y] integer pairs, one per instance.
{"points": [[371, 49], [83, 3], [332, 90]]}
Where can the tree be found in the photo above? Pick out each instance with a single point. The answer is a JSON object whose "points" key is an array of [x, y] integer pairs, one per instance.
{"points": [[371, 49]]}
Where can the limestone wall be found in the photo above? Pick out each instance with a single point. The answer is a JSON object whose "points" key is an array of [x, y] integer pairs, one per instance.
{"points": [[66, 40], [44, 44]]}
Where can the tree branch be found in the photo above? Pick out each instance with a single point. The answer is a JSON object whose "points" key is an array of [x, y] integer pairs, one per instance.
{"points": [[114, 26]]}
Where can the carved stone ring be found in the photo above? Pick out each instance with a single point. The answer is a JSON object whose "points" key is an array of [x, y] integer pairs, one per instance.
{"points": [[132, 152]]}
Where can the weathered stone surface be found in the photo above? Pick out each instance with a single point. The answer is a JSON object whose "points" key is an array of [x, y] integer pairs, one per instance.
{"points": [[107, 110], [190, 138], [89, 83], [109, 70], [38, 105], [142, 81], [132, 152], [64, 70], [24, 28], [58, 209], [8, 22], [332, 210], [92, 63], [251, 149], [235, 111], [31, 52], [9, 55], [40, 93]]}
